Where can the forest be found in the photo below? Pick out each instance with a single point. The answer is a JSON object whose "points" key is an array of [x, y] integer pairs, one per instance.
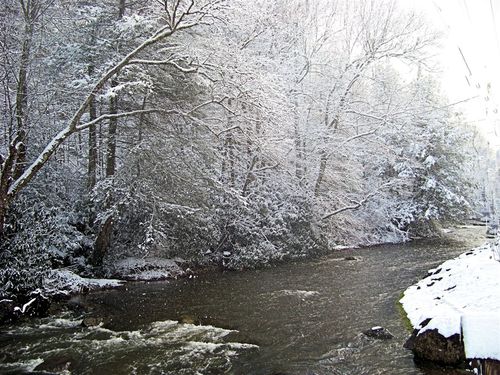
{"points": [[233, 133]]}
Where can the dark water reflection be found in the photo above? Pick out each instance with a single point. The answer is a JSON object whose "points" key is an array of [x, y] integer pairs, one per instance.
{"points": [[305, 317]]}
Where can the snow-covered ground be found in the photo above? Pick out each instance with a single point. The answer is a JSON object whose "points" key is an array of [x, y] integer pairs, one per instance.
{"points": [[461, 296]]}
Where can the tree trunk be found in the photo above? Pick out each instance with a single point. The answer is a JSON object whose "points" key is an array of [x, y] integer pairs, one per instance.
{"points": [[231, 156], [250, 176], [139, 133], [3, 212], [7, 165], [321, 173], [121, 8], [92, 161], [103, 241], [104, 237], [113, 123], [30, 12], [299, 151]]}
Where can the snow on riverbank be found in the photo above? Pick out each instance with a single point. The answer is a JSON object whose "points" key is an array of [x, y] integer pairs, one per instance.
{"points": [[147, 269], [65, 280], [130, 269], [461, 296]]}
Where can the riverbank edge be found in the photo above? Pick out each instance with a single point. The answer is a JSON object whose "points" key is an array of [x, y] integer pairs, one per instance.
{"points": [[53, 300], [433, 338], [61, 287]]}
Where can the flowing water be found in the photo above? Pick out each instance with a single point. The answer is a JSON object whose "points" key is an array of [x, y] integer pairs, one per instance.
{"points": [[299, 318]]}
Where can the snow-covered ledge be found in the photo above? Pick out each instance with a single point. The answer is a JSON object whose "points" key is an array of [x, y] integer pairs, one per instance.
{"points": [[460, 298]]}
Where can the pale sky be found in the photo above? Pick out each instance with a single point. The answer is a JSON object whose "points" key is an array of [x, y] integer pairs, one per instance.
{"points": [[471, 28]]}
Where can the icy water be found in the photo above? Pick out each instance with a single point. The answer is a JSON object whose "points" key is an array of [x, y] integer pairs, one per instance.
{"points": [[300, 318]]}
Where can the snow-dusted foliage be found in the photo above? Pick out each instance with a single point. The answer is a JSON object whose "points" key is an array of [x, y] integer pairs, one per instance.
{"points": [[46, 229], [229, 132]]}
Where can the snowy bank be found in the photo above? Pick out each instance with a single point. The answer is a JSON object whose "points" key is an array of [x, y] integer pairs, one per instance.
{"points": [[67, 281], [146, 269], [58, 284], [62, 283], [461, 297]]}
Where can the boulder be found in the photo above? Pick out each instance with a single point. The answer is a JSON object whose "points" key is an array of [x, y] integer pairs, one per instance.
{"points": [[55, 364], [379, 333], [92, 321], [76, 304], [432, 346]]}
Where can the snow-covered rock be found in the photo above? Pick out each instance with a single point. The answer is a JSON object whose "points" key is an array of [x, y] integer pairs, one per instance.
{"points": [[65, 280], [461, 297], [144, 269], [379, 333]]}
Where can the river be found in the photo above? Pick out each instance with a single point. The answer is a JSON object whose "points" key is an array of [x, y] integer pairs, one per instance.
{"points": [[299, 318]]}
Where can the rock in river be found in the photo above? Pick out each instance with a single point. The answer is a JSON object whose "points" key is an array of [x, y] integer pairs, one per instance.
{"points": [[56, 364], [432, 346], [378, 333]]}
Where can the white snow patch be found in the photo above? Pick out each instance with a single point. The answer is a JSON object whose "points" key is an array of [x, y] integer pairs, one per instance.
{"points": [[462, 296], [429, 161], [430, 183], [481, 331]]}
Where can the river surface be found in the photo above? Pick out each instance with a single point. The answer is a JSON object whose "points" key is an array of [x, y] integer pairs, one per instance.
{"points": [[300, 318]]}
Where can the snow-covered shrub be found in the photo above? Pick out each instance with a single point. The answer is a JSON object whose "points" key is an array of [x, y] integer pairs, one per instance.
{"points": [[272, 226], [46, 229], [22, 270], [159, 215]]}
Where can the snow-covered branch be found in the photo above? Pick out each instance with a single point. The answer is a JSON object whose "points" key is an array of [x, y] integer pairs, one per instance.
{"points": [[165, 62], [354, 206], [138, 112]]}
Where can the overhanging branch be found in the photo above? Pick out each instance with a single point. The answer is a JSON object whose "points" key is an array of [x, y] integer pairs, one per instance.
{"points": [[354, 206], [357, 204]]}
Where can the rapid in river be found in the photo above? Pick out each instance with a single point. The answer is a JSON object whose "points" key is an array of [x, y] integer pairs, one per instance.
{"points": [[299, 318]]}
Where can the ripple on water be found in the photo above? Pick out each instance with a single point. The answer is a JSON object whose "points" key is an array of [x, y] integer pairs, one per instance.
{"points": [[160, 347]]}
